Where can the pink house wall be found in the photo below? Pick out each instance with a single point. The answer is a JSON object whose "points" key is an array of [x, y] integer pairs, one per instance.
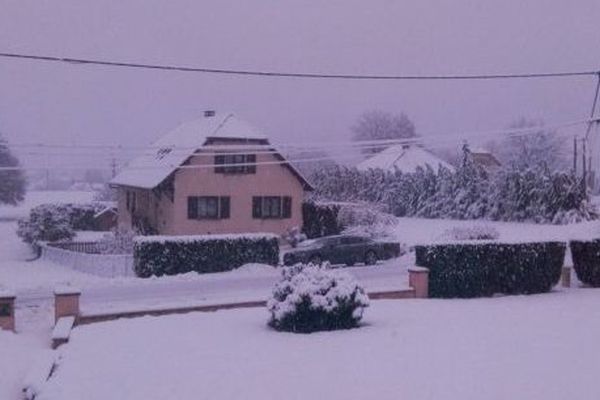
{"points": [[171, 218], [269, 180]]}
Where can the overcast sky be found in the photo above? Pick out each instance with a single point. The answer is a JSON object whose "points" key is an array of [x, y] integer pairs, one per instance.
{"points": [[57, 103]]}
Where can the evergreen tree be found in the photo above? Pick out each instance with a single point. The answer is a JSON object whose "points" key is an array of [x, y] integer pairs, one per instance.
{"points": [[12, 181]]}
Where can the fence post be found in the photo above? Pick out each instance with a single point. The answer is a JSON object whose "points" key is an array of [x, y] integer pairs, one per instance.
{"points": [[66, 302], [7, 311], [418, 279]]}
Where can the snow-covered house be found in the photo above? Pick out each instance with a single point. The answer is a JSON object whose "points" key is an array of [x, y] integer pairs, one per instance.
{"points": [[217, 174], [485, 159], [405, 158]]}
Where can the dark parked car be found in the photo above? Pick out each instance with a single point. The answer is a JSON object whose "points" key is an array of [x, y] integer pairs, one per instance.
{"points": [[342, 249]]}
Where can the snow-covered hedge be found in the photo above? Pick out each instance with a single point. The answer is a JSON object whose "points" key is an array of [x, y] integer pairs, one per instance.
{"points": [[170, 255], [54, 222], [365, 219], [484, 269], [320, 219], [475, 232], [315, 298], [586, 261], [535, 194]]}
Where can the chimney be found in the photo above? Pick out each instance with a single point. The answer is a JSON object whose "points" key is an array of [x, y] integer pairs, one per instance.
{"points": [[209, 113]]}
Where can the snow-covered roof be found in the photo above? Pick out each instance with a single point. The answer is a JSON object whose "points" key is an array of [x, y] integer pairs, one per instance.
{"points": [[169, 152], [404, 158]]}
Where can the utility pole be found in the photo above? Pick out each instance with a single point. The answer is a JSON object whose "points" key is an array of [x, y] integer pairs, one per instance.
{"points": [[113, 166], [584, 161], [575, 155]]}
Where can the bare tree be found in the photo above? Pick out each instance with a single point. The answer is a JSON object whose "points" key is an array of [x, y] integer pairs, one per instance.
{"points": [[381, 125], [12, 177], [540, 146]]}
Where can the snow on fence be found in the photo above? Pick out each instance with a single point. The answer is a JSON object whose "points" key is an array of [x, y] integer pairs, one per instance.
{"points": [[104, 265]]}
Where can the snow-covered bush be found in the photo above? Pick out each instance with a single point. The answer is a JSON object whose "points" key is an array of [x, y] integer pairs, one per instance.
{"points": [[294, 236], [53, 222], [365, 219], [320, 219], [475, 232], [315, 298], [586, 261], [475, 270], [170, 255], [47, 222]]}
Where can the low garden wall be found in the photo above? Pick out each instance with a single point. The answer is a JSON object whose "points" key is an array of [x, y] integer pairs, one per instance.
{"points": [[104, 265], [484, 269]]}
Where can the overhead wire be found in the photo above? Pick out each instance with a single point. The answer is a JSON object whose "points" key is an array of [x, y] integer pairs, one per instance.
{"points": [[277, 74]]}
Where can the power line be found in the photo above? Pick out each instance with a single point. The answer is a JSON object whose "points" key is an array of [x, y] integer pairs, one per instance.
{"points": [[275, 74], [268, 148]]}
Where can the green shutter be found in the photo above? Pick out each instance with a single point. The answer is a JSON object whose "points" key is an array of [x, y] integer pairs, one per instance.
{"points": [[224, 208], [219, 160], [192, 210], [287, 207], [257, 207], [251, 159]]}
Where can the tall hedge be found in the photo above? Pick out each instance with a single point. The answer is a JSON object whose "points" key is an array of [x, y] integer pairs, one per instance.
{"points": [[586, 261], [320, 219], [483, 269], [170, 255]]}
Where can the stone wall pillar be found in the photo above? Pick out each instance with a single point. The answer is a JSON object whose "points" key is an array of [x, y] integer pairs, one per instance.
{"points": [[7, 311], [66, 302], [418, 279]]}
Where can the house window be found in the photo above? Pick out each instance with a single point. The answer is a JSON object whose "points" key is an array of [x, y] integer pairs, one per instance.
{"points": [[235, 164], [208, 207], [271, 207]]}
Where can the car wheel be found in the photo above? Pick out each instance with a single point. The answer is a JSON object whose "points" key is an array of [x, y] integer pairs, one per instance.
{"points": [[370, 258], [315, 260]]}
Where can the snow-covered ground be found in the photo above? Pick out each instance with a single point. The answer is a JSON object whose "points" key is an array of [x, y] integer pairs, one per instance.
{"points": [[413, 231], [522, 347], [17, 353], [34, 280], [35, 198]]}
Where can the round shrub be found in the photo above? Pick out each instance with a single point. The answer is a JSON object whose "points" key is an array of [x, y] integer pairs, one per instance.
{"points": [[315, 298], [586, 261]]}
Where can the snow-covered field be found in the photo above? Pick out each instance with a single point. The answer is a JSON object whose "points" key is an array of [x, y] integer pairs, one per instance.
{"points": [[535, 347], [35, 198]]}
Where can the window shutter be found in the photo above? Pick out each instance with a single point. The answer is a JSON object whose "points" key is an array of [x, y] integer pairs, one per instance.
{"points": [[257, 207], [287, 207], [224, 208], [192, 210], [219, 160], [251, 159]]}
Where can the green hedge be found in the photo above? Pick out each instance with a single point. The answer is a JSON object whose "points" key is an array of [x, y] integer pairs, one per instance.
{"points": [[586, 261], [483, 269], [320, 220], [170, 255]]}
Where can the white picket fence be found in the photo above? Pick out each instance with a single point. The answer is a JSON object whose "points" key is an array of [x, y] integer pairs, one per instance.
{"points": [[104, 265]]}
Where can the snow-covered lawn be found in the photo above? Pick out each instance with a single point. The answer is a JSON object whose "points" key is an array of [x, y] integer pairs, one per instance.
{"points": [[17, 353], [524, 347], [414, 231]]}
